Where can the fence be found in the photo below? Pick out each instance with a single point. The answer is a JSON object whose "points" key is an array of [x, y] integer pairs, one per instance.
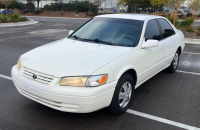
{"points": [[106, 6]]}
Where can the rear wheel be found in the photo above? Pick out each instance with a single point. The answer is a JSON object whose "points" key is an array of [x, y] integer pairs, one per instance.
{"points": [[174, 64], [123, 95]]}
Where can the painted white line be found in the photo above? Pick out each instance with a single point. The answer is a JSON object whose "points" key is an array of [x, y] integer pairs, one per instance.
{"points": [[166, 121], [188, 72], [191, 53], [5, 77]]}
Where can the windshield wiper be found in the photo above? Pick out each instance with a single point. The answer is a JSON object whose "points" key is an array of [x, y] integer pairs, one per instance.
{"points": [[97, 40], [78, 38]]}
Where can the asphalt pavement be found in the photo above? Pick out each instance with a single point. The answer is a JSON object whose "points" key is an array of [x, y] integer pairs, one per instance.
{"points": [[174, 97]]}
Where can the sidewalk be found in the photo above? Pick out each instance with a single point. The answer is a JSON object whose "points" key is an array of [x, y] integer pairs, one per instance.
{"points": [[18, 23], [192, 41]]}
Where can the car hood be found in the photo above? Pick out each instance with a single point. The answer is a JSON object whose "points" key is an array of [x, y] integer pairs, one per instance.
{"points": [[68, 57]]}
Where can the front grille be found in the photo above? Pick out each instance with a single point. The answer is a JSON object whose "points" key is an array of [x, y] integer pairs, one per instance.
{"points": [[38, 76]]}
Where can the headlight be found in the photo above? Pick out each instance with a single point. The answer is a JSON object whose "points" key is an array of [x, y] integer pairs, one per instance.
{"points": [[84, 81], [73, 81], [19, 64]]}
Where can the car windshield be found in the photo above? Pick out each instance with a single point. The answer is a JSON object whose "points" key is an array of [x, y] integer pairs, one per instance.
{"points": [[120, 32]]}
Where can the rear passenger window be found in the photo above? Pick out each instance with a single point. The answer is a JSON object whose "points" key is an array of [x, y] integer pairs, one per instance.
{"points": [[152, 31], [166, 28]]}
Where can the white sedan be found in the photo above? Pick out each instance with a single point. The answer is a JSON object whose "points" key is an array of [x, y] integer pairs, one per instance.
{"points": [[100, 64]]}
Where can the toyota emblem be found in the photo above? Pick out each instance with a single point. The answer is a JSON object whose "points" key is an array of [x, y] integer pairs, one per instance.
{"points": [[34, 76]]}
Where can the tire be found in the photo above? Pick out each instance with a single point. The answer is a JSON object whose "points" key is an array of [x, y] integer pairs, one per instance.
{"points": [[174, 64], [125, 88]]}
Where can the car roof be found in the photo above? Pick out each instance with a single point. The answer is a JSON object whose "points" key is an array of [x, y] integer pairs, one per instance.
{"points": [[140, 17]]}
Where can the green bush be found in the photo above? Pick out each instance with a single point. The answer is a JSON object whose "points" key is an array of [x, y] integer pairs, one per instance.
{"points": [[182, 16], [3, 18], [198, 28], [62, 12], [189, 30], [23, 19], [83, 6], [14, 20], [16, 5], [188, 21], [171, 19], [30, 6], [16, 16], [90, 13]]}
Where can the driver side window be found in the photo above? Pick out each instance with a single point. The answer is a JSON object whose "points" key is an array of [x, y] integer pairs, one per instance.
{"points": [[152, 31]]}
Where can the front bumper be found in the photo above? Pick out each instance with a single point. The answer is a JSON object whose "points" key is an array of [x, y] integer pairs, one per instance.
{"points": [[68, 99]]}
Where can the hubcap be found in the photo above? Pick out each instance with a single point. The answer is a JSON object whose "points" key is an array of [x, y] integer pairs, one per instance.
{"points": [[125, 94], [175, 61]]}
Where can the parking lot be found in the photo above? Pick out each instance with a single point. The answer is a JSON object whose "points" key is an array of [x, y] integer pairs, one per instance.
{"points": [[165, 102]]}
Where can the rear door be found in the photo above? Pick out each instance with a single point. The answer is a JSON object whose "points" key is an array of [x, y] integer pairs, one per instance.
{"points": [[153, 57], [170, 38]]}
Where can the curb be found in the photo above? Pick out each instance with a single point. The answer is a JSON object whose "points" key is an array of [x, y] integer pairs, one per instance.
{"points": [[192, 41], [18, 24], [57, 17]]}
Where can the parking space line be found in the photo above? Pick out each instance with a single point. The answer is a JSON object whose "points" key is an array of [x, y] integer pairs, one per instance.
{"points": [[5, 77], [187, 72], [159, 119], [191, 53]]}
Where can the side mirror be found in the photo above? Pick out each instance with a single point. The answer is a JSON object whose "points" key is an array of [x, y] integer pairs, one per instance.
{"points": [[71, 31], [150, 43]]}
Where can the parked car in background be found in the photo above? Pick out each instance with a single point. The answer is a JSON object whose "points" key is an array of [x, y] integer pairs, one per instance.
{"points": [[8, 11], [164, 10], [188, 10], [1, 10], [100, 64], [123, 8], [180, 10]]}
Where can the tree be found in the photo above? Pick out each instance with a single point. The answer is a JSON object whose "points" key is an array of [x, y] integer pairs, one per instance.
{"points": [[1, 4], [194, 4], [57, 2], [175, 4], [30, 4], [38, 1], [130, 3], [98, 3], [6, 3], [157, 2]]}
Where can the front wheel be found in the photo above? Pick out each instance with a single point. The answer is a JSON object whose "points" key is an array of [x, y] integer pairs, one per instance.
{"points": [[174, 64], [123, 95]]}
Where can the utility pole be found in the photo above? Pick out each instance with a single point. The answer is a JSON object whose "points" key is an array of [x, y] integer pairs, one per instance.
{"points": [[89, 4], [21, 4], [41, 4], [76, 8]]}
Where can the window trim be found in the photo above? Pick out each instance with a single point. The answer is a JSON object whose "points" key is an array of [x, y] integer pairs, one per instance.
{"points": [[158, 29], [161, 29]]}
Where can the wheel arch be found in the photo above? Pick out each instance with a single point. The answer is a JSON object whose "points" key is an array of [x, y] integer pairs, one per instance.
{"points": [[133, 74], [180, 49]]}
